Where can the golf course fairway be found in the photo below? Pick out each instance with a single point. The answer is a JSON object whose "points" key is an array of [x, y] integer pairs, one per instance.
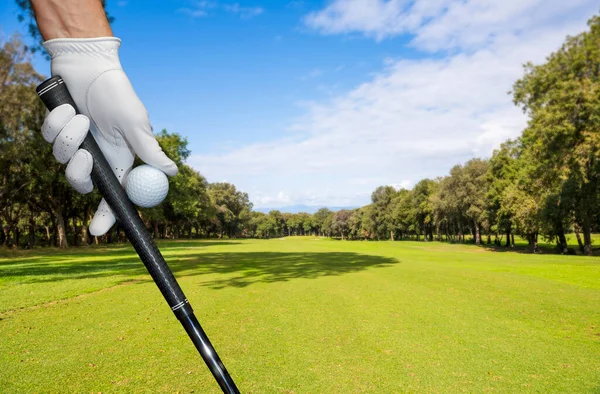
{"points": [[303, 315]]}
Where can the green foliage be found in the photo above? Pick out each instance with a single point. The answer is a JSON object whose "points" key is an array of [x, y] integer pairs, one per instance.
{"points": [[562, 139], [174, 145], [340, 223], [231, 208], [319, 219], [502, 173]]}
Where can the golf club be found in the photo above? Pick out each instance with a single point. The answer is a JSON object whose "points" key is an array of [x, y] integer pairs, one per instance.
{"points": [[53, 93]]}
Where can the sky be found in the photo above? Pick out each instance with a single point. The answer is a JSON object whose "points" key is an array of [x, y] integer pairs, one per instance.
{"points": [[320, 102]]}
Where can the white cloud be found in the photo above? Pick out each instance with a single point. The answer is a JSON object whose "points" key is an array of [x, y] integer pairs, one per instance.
{"points": [[415, 118], [442, 24], [405, 184], [280, 199], [199, 9], [243, 12]]}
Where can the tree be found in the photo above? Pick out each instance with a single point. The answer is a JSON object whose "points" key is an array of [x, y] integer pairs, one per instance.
{"points": [[327, 227], [230, 205], [28, 169], [319, 218], [341, 223], [562, 99], [288, 222], [382, 215], [502, 172], [276, 219], [421, 208], [475, 189], [305, 223]]}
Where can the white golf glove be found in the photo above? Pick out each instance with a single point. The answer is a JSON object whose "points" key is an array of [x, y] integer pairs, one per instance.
{"points": [[109, 108]]}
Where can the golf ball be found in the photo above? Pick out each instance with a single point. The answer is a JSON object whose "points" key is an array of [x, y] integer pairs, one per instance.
{"points": [[146, 186]]}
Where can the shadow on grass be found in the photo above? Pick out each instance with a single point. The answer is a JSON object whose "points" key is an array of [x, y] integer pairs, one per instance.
{"points": [[243, 269], [232, 269], [114, 249], [543, 249]]}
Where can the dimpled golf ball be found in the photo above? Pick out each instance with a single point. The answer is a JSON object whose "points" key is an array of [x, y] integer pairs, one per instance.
{"points": [[146, 186]]}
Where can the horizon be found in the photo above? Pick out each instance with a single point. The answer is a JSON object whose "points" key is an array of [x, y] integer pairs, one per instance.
{"points": [[313, 98]]}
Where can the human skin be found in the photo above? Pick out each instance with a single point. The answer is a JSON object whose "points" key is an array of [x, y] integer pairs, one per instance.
{"points": [[71, 19]]}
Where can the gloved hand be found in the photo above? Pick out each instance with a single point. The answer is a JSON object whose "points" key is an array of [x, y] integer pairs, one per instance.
{"points": [[109, 108]]}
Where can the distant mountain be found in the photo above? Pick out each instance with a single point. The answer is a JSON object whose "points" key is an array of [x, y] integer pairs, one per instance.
{"points": [[300, 208]]}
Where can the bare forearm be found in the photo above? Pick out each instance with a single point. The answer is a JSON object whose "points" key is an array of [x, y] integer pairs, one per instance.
{"points": [[71, 18]]}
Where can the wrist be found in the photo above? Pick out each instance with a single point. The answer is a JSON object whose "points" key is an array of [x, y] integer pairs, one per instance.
{"points": [[69, 19], [99, 45]]}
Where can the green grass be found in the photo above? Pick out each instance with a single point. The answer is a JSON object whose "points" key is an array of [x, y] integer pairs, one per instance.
{"points": [[303, 315]]}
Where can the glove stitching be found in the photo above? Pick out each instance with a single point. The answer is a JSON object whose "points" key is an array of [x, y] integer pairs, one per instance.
{"points": [[87, 50], [101, 45]]}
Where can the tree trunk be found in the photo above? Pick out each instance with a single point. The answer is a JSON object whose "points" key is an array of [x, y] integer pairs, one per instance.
{"points": [[74, 219], [61, 229], [512, 237], [48, 236], [156, 234], [587, 237], [508, 229], [31, 231], [85, 235], [578, 236], [562, 242], [477, 235], [392, 235], [3, 237], [533, 243], [54, 231]]}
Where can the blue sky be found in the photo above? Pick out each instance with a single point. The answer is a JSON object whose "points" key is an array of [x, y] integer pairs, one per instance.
{"points": [[319, 102]]}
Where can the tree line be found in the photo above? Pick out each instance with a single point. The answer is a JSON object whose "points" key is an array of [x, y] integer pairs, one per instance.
{"points": [[543, 184]]}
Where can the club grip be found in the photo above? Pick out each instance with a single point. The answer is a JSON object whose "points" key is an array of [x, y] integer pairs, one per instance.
{"points": [[54, 93]]}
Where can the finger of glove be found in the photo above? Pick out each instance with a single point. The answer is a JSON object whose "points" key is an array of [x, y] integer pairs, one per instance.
{"points": [[103, 220], [79, 171], [130, 118], [70, 137], [56, 120], [140, 137]]}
